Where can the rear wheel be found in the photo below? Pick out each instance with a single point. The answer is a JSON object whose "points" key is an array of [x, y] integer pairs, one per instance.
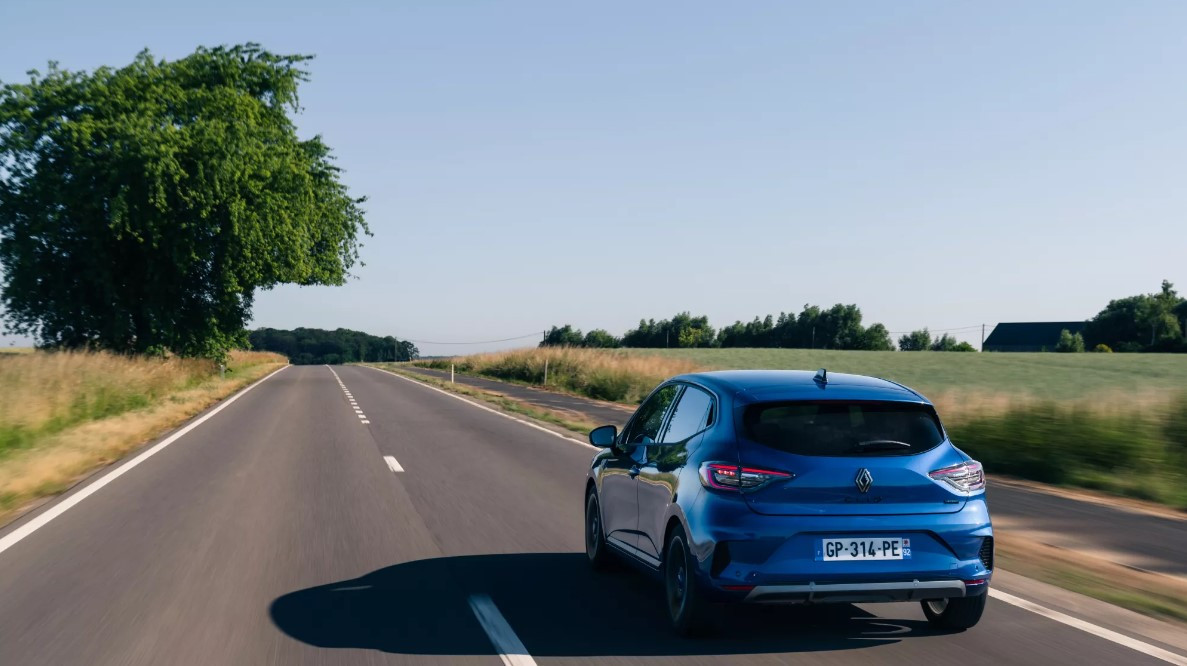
{"points": [[686, 607], [595, 538], [956, 614]]}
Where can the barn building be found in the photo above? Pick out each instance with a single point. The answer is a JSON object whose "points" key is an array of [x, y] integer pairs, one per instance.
{"points": [[1035, 336]]}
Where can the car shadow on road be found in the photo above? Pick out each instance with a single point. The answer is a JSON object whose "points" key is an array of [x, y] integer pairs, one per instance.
{"points": [[558, 607]]}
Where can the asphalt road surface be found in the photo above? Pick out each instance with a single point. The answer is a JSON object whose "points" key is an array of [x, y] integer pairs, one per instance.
{"points": [[293, 527]]}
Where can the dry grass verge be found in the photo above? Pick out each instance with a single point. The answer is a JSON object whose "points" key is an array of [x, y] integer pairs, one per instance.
{"points": [[1157, 595], [74, 412], [602, 374]]}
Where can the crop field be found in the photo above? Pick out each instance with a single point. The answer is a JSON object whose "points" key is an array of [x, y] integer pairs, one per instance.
{"points": [[1049, 376]]}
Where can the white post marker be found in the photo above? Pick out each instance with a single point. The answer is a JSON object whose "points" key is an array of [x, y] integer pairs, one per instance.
{"points": [[507, 644], [546, 371], [450, 373]]}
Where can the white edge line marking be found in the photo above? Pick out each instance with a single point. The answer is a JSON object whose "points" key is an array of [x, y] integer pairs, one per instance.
{"points": [[392, 464], [14, 537], [508, 645], [484, 407], [1082, 625], [1070, 621]]}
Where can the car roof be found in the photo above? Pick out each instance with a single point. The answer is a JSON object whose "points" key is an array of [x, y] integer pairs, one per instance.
{"points": [[755, 385]]}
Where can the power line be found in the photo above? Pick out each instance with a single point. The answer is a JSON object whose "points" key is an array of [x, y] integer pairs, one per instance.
{"points": [[942, 330]]}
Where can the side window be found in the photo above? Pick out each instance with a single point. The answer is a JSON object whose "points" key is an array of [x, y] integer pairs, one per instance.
{"points": [[650, 416], [689, 416]]}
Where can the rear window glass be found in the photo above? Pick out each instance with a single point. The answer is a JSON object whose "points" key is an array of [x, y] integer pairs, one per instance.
{"points": [[836, 428]]}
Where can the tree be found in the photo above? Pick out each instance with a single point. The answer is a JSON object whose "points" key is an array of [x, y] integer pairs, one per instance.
{"points": [[1146, 322], [1069, 343], [141, 208], [949, 343], [919, 340], [564, 336], [876, 338], [600, 338], [683, 330], [305, 346]]}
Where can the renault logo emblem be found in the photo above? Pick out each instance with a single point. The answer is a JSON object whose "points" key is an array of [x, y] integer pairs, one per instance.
{"points": [[863, 480]]}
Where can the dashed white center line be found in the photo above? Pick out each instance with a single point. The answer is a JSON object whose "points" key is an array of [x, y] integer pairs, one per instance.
{"points": [[507, 644], [353, 405], [392, 464]]}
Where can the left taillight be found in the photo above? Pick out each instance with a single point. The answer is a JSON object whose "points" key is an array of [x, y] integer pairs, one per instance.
{"points": [[966, 477], [724, 476]]}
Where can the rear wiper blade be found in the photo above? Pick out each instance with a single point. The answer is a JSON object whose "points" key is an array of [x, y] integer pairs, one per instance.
{"points": [[879, 444]]}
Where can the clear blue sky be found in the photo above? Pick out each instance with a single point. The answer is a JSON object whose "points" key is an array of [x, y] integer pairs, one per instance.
{"points": [[528, 164]]}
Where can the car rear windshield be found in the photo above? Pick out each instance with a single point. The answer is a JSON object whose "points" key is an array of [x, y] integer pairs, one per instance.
{"points": [[842, 428]]}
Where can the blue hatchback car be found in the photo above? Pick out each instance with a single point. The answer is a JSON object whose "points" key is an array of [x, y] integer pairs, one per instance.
{"points": [[792, 487]]}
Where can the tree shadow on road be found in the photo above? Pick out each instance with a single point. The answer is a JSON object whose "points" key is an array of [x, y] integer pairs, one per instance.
{"points": [[557, 607]]}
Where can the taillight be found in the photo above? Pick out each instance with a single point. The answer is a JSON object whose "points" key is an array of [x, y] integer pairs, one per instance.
{"points": [[965, 477], [724, 476]]}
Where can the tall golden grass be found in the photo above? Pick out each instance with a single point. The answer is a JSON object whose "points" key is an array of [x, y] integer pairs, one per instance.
{"points": [[602, 374], [64, 413]]}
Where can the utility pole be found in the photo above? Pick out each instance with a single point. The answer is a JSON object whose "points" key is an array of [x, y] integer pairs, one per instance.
{"points": [[982, 337], [813, 336]]}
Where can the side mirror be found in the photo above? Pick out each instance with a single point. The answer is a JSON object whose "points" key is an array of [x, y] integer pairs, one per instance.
{"points": [[603, 437]]}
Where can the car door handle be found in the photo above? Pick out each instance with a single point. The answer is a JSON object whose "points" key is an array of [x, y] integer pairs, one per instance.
{"points": [[634, 471]]}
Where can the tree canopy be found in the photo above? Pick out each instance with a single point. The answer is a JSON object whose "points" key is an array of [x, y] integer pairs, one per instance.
{"points": [[838, 327], [1145, 322], [142, 207], [315, 346]]}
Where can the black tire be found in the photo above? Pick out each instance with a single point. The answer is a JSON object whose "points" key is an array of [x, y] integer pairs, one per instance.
{"points": [[956, 614], [596, 549], [686, 606]]}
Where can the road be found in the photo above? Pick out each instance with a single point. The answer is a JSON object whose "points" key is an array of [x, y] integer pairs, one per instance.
{"points": [[594, 411], [289, 528]]}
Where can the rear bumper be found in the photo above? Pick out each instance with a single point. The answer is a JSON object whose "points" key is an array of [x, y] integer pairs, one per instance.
{"points": [[747, 557], [915, 590]]}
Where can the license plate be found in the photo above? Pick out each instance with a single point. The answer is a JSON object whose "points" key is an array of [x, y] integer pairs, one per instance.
{"points": [[847, 549]]}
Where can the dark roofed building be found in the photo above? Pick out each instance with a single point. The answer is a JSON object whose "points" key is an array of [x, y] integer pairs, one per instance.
{"points": [[1029, 336]]}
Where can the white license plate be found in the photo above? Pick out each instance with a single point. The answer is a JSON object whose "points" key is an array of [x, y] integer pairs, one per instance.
{"points": [[865, 548]]}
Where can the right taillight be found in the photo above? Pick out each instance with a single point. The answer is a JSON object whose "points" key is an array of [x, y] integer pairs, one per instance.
{"points": [[965, 477], [724, 476]]}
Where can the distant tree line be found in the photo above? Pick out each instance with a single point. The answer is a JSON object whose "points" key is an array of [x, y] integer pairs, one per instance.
{"points": [[1143, 323], [838, 327], [315, 346]]}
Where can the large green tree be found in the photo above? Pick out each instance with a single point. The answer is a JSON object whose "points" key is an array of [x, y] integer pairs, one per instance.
{"points": [[142, 207], [1145, 322]]}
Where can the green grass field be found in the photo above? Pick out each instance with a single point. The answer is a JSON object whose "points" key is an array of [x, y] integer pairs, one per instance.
{"points": [[1048, 376]]}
